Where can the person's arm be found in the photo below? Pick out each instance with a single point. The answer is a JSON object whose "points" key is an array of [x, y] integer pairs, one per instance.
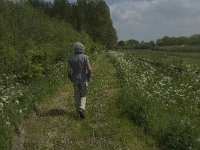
{"points": [[69, 71], [89, 71]]}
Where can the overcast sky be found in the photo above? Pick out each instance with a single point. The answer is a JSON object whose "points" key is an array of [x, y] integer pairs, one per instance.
{"points": [[151, 19]]}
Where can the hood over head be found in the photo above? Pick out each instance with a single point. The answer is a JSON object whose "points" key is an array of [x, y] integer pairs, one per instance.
{"points": [[78, 48]]}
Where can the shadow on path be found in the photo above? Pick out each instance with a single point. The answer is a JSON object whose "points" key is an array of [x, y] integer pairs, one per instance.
{"points": [[53, 112]]}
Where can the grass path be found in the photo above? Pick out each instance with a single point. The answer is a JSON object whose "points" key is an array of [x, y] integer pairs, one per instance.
{"points": [[57, 127]]}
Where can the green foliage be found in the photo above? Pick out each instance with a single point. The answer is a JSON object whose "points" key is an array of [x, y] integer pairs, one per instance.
{"points": [[33, 55], [178, 48], [173, 44], [94, 17], [178, 41], [121, 43], [179, 136], [134, 44], [162, 96], [61, 9], [91, 16]]}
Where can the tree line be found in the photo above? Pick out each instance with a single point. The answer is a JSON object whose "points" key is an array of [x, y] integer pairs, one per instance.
{"points": [[90, 16], [165, 43]]}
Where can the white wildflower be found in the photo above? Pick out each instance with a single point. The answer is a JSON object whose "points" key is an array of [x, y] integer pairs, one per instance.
{"points": [[7, 123], [4, 99], [20, 111]]}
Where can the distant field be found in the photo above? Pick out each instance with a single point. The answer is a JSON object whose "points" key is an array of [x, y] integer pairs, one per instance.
{"points": [[184, 57]]}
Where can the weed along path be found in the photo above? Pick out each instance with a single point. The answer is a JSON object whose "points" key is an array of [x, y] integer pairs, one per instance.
{"points": [[56, 126]]}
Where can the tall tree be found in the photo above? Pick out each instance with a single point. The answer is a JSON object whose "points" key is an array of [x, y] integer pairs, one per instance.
{"points": [[61, 9], [99, 24], [90, 16]]}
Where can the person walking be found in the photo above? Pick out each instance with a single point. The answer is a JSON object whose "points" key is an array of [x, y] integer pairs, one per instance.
{"points": [[79, 72]]}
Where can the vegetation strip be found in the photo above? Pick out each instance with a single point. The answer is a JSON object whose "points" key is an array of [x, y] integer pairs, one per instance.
{"points": [[103, 127], [34, 47], [166, 104]]}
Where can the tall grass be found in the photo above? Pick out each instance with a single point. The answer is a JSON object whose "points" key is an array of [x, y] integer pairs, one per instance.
{"points": [[164, 103]]}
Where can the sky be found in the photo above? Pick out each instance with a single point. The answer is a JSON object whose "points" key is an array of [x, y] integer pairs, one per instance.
{"points": [[152, 19]]}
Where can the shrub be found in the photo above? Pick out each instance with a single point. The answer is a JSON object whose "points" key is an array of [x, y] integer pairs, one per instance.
{"points": [[179, 135]]}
